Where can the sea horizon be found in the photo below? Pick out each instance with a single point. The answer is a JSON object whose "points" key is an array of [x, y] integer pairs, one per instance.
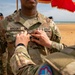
{"points": [[64, 22]]}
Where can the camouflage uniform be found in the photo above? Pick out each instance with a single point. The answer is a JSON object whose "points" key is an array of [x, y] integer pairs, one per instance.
{"points": [[2, 51], [3, 56], [59, 63], [1, 67], [16, 23], [3, 64]]}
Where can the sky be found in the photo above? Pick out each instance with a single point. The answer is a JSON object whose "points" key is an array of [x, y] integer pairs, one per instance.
{"points": [[7, 7]]}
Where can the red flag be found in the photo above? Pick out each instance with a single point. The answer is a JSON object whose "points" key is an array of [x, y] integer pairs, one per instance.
{"points": [[63, 4], [44, 1]]}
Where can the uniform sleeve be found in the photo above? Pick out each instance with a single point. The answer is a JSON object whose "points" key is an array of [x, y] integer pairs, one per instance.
{"points": [[56, 37], [20, 59], [3, 42]]}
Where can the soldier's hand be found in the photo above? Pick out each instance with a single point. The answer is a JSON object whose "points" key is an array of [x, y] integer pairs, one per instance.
{"points": [[42, 38], [22, 38]]}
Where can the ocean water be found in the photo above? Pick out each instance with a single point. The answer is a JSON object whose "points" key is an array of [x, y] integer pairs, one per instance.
{"points": [[64, 21]]}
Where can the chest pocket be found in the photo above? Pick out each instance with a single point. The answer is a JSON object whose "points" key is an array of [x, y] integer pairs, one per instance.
{"points": [[12, 30]]}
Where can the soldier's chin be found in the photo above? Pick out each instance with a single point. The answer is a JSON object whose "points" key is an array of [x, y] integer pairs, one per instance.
{"points": [[32, 1], [31, 6]]}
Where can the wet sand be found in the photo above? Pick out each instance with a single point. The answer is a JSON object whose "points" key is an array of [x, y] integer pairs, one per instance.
{"points": [[67, 31]]}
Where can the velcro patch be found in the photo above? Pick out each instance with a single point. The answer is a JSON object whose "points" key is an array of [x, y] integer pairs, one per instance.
{"points": [[45, 70]]}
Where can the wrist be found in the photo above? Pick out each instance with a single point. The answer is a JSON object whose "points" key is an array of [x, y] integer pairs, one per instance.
{"points": [[20, 44], [49, 44]]}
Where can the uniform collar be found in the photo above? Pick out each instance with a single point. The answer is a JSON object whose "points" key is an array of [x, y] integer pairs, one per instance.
{"points": [[19, 19]]}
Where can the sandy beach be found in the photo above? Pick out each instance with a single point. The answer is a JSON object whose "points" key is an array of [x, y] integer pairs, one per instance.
{"points": [[67, 31]]}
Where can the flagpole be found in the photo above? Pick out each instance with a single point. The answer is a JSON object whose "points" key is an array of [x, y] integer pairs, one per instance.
{"points": [[17, 5]]}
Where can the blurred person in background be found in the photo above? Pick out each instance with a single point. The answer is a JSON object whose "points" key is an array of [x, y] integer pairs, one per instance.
{"points": [[1, 16], [3, 54]]}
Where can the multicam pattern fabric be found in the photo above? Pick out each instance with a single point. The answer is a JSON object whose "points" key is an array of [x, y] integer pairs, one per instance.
{"points": [[60, 63], [16, 23], [3, 64], [21, 59], [1, 67]]}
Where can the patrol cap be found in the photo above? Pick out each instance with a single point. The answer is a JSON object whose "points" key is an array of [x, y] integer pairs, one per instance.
{"points": [[1, 14], [59, 61]]}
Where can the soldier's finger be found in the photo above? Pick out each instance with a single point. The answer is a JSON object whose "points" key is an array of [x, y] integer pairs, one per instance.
{"points": [[37, 31], [25, 32], [28, 35], [37, 41], [36, 35], [17, 35], [22, 32]]}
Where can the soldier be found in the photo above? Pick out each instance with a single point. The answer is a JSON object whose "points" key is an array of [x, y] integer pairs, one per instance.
{"points": [[1, 16], [28, 18], [57, 63], [1, 67], [2, 53]]}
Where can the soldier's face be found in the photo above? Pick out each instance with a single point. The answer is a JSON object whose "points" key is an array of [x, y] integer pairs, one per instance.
{"points": [[1, 17], [29, 3]]}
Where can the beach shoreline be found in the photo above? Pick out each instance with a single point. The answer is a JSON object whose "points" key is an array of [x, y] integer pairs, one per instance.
{"points": [[67, 31]]}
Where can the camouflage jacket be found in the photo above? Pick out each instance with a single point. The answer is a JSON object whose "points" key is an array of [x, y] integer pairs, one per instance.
{"points": [[23, 65], [57, 63], [16, 23]]}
